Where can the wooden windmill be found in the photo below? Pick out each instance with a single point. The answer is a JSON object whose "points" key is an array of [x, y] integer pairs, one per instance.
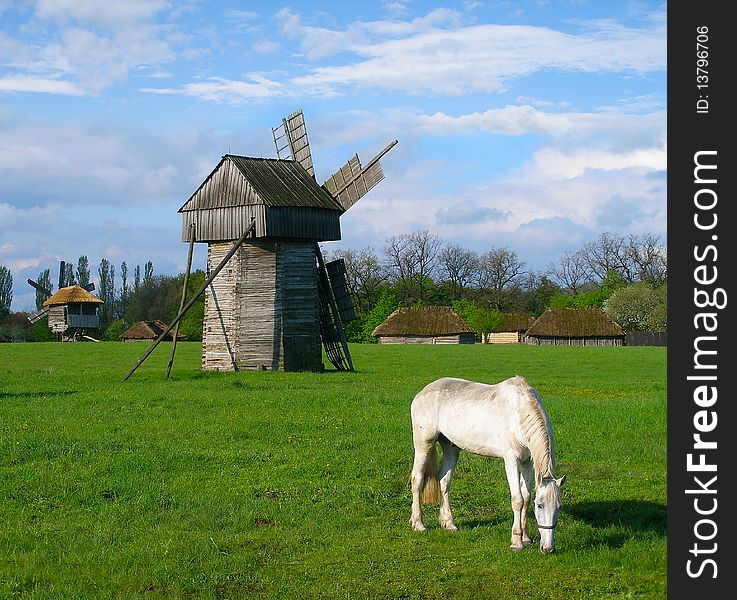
{"points": [[272, 300], [72, 310]]}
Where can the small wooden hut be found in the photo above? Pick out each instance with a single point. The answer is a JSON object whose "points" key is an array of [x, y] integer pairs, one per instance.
{"points": [[425, 325], [72, 312], [575, 327], [512, 328], [148, 331]]}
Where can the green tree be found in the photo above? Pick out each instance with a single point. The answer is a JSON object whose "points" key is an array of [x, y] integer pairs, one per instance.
{"points": [[148, 273], [639, 307], [114, 330], [386, 305], [68, 275], [190, 325], [482, 319], [83, 271], [6, 291], [43, 280]]}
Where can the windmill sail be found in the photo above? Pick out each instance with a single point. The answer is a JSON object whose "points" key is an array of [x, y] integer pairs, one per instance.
{"points": [[337, 276], [38, 315], [352, 181], [331, 328], [291, 140]]}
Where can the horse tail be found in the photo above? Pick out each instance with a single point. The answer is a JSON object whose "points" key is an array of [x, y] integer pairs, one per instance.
{"points": [[431, 485]]}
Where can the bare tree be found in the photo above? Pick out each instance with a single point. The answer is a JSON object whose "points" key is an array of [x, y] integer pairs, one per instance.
{"points": [[498, 268], [364, 273], [410, 261], [648, 257], [607, 252], [458, 266], [571, 272]]}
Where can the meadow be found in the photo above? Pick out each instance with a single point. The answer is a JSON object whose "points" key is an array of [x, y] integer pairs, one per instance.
{"points": [[296, 485]]}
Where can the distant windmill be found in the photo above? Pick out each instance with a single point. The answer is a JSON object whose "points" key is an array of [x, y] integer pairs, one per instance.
{"points": [[270, 297], [72, 311]]}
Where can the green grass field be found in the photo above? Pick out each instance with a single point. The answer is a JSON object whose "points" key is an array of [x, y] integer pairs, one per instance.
{"points": [[295, 485]]}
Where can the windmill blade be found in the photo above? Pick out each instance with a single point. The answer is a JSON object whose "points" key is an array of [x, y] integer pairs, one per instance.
{"points": [[90, 287], [351, 182], [40, 288], [290, 139], [38, 315], [62, 272]]}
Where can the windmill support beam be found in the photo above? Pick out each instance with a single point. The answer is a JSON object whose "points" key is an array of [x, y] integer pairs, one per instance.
{"points": [[184, 297], [251, 229]]}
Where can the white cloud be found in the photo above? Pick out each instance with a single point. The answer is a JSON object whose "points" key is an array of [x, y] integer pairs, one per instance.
{"points": [[463, 60], [94, 45], [228, 91], [24, 83], [568, 165], [100, 13]]}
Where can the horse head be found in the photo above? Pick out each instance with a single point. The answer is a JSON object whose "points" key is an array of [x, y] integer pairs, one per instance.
{"points": [[547, 505]]}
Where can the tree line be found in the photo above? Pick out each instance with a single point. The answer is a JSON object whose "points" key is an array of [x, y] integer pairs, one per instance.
{"points": [[415, 269], [128, 297], [625, 275]]}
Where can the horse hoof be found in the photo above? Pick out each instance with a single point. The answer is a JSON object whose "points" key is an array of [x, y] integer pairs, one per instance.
{"points": [[450, 528], [418, 526], [516, 548]]}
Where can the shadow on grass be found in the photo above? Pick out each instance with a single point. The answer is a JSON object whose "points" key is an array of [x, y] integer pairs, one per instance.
{"points": [[46, 394], [473, 524], [628, 517]]}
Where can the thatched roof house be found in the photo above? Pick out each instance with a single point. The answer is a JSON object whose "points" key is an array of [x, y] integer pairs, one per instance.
{"points": [[512, 328], [73, 312], [145, 331], [575, 327], [72, 294], [425, 325]]}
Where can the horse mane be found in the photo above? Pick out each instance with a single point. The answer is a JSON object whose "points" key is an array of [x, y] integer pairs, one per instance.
{"points": [[536, 430]]}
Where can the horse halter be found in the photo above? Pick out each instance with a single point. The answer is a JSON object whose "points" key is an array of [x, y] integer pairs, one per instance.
{"points": [[555, 522]]}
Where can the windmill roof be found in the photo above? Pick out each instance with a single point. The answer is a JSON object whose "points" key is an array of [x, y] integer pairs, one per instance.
{"points": [[276, 182], [515, 322], [147, 330], [71, 294], [575, 322], [424, 320]]}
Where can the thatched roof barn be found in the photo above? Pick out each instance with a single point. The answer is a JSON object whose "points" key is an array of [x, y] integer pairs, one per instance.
{"points": [[425, 325], [575, 327], [512, 328], [146, 331], [72, 312]]}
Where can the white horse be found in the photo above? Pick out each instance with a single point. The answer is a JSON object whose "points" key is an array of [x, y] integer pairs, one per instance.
{"points": [[506, 420]]}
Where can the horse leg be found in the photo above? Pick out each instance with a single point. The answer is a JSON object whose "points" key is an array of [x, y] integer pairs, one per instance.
{"points": [[511, 467], [447, 466], [422, 456], [526, 475]]}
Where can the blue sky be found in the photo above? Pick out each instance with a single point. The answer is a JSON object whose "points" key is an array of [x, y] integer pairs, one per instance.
{"points": [[533, 126]]}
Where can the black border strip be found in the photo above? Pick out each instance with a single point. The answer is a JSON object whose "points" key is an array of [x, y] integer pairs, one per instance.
{"points": [[699, 120]]}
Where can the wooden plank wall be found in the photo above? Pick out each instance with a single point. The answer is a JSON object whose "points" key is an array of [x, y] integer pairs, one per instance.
{"points": [[423, 339], [261, 310], [566, 341], [57, 318], [220, 224]]}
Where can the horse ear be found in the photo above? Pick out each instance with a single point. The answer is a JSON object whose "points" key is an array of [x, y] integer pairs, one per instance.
{"points": [[561, 481]]}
